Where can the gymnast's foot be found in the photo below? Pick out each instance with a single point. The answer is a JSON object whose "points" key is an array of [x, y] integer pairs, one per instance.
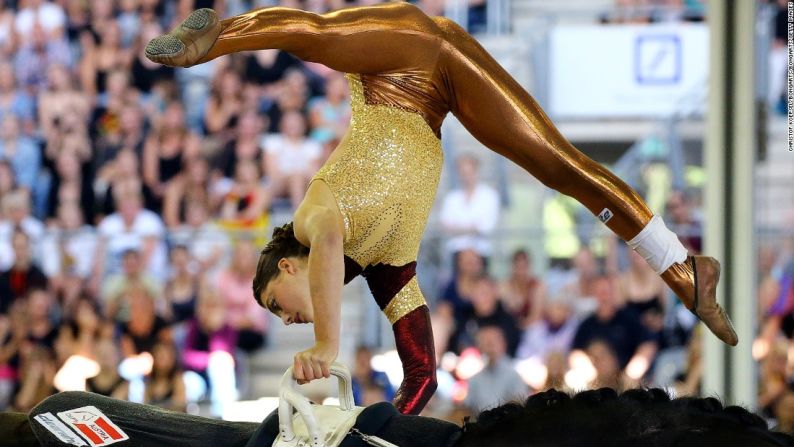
{"points": [[695, 283], [186, 44]]}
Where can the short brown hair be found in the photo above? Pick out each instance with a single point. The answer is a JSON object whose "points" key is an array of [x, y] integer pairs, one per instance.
{"points": [[282, 245]]}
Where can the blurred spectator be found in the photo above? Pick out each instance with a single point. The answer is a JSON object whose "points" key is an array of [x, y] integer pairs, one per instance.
{"points": [[12, 335], [366, 379], [108, 382], [487, 311], [619, 329], [688, 384], [455, 300], [116, 287], [192, 185], [266, 67], [245, 147], [329, 115], [120, 177], [233, 284], [36, 55], [224, 106], [21, 151], [63, 112], [23, 275], [7, 180], [42, 329], [167, 149], [643, 293], [581, 286], [7, 33], [110, 130], [131, 227], [46, 14], [523, 293], [209, 349], [784, 412], [498, 382], [606, 364], [469, 214], [36, 372], [100, 60], [553, 333], [142, 333], [245, 206], [165, 385], [15, 101], [70, 246], [81, 330], [207, 242], [684, 221], [71, 183], [145, 73], [290, 159], [774, 376], [182, 288]]}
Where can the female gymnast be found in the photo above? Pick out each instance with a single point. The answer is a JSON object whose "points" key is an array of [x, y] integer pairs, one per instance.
{"points": [[366, 208]]}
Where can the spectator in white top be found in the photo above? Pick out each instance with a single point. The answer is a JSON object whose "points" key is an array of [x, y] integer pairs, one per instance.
{"points": [[469, 214], [290, 159], [15, 212], [70, 246], [49, 15], [130, 228]]}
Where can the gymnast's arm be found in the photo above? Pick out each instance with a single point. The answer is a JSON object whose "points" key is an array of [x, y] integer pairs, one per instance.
{"points": [[368, 39], [318, 224]]}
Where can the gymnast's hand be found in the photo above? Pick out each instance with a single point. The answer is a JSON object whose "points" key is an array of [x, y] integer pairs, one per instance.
{"points": [[315, 362]]}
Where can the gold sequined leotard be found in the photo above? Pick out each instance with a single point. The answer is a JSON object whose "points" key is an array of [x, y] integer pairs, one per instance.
{"points": [[407, 71]]}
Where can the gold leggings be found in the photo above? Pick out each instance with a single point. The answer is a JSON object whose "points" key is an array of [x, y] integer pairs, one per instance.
{"points": [[431, 66]]}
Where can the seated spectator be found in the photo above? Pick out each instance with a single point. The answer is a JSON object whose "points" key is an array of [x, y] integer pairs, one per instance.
{"points": [[142, 333], [329, 115], [145, 73], [15, 101], [209, 349], [7, 35], [233, 284], [167, 148], [12, 335], [99, 60], [70, 245], [61, 101], [553, 333], [36, 55], [105, 127], [72, 183], [108, 382], [643, 291], [470, 212], [49, 15], [684, 221], [192, 185], [582, 282], [488, 311], [115, 288], [497, 382], [368, 383], [8, 182], [37, 373], [131, 227], [119, 177], [245, 147], [266, 67], [42, 329], [523, 293], [291, 159], [455, 299], [182, 288], [207, 243], [81, 329], [23, 276], [688, 383], [775, 377], [165, 385], [619, 329], [224, 106], [245, 206], [784, 412], [21, 151], [607, 368]]}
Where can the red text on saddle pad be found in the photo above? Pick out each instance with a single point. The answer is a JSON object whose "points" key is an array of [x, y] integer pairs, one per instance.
{"points": [[93, 426]]}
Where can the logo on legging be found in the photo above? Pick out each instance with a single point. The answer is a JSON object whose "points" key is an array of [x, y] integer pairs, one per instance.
{"points": [[93, 426], [605, 215]]}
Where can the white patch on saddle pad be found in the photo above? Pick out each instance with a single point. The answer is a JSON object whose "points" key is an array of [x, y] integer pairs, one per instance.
{"points": [[93, 426], [57, 428]]}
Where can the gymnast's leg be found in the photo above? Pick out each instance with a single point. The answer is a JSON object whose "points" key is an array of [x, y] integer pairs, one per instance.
{"points": [[354, 40], [505, 118]]}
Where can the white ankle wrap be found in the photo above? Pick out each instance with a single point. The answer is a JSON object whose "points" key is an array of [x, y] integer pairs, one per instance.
{"points": [[658, 245]]}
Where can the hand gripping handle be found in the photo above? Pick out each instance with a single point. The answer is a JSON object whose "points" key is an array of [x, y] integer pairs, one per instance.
{"points": [[290, 398]]}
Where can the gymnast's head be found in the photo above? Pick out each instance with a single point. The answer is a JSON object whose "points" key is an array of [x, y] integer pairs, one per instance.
{"points": [[281, 284]]}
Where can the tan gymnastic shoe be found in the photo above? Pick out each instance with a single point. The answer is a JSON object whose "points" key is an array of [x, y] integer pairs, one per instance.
{"points": [[186, 44], [695, 283]]}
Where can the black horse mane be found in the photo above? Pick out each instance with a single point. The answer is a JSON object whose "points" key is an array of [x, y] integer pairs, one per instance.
{"points": [[639, 417]]}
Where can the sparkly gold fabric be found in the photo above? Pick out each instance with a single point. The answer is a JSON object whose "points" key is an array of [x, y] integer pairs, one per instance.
{"points": [[406, 300], [430, 66], [384, 179]]}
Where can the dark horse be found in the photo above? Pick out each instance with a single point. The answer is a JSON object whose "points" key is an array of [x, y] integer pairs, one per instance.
{"points": [[647, 418]]}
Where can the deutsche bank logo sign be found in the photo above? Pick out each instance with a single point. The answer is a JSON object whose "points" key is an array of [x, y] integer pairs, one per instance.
{"points": [[657, 59]]}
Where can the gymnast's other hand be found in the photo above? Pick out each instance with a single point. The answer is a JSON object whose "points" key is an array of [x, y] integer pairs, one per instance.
{"points": [[315, 362]]}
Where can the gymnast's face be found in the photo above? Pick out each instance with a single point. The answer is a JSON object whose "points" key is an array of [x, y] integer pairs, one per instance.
{"points": [[287, 295]]}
